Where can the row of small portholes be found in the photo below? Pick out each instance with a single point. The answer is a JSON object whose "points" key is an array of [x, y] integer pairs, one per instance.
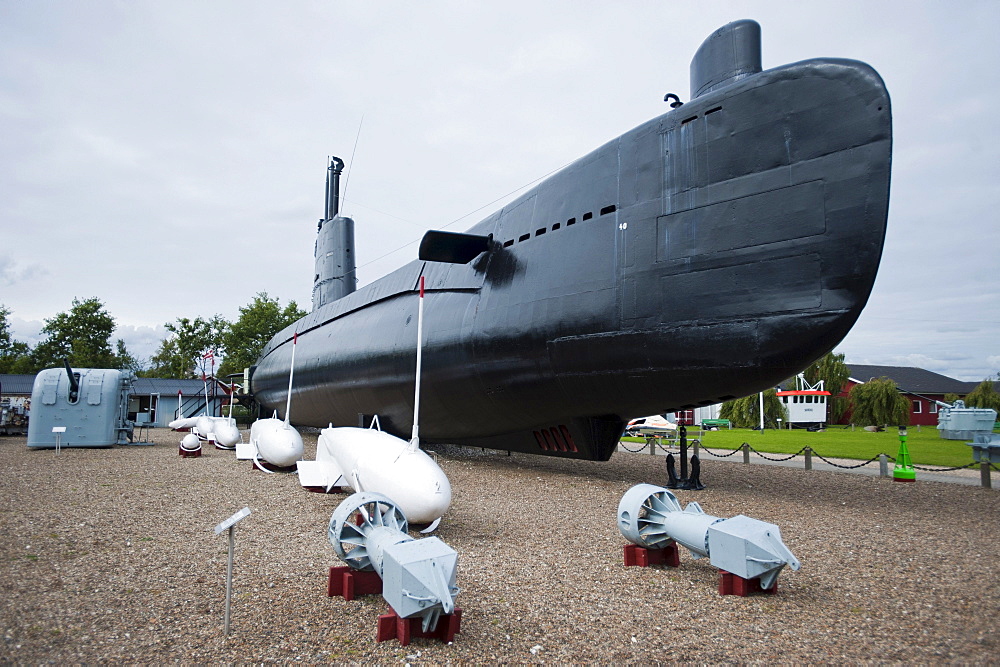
{"points": [[572, 221]]}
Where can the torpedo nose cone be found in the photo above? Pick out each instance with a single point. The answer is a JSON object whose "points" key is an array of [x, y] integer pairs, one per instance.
{"points": [[278, 444], [425, 494], [226, 433]]}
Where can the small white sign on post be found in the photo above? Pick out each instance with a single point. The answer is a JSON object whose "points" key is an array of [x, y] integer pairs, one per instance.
{"points": [[233, 520], [58, 430], [229, 524]]}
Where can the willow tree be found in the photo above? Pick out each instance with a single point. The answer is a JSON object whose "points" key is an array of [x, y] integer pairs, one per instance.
{"points": [[984, 396], [745, 412], [879, 403]]}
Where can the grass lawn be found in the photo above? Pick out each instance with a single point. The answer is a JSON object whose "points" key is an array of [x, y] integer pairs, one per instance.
{"points": [[926, 446]]}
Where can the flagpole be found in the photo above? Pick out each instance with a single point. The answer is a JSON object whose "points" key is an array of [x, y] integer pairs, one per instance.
{"points": [[208, 355], [415, 437], [291, 371]]}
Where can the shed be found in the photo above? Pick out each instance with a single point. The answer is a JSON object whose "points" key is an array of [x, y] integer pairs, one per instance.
{"points": [[155, 401], [15, 403]]}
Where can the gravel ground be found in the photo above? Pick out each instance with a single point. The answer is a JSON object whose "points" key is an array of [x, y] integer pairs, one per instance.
{"points": [[109, 555]]}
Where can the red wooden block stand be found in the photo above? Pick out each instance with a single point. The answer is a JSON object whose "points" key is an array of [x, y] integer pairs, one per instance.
{"points": [[391, 626], [258, 464], [322, 489], [188, 454], [347, 583], [643, 557], [731, 584]]}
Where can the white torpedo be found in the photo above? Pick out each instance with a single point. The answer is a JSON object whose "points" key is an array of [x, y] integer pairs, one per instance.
{"points": [[220, 430], [224, 429], [272, 440], [367, 459]]}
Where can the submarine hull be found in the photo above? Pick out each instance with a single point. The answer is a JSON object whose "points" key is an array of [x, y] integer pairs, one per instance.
{"points": [[705, 255]]}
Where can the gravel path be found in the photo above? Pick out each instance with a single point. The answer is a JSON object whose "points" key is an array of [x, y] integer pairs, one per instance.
{"points": [[108, 555]]}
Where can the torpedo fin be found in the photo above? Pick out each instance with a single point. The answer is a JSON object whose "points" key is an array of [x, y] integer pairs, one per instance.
{"points": [[323, 474], [431, 528], [256, 462]]}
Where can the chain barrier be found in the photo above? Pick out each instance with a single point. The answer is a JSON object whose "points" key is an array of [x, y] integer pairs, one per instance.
{"points": [[631, 451], [967, 465], [718, 456], [860, 465], [658, 443], [769, 458]]}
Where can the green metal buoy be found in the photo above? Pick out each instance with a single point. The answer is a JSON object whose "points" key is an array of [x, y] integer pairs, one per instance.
{"points": [[903, 470]]}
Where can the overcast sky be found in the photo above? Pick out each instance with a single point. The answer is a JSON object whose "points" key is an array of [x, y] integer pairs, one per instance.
{"points": [[169, 158]]}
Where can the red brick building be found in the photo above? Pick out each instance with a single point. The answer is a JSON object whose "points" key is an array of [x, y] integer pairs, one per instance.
{"points": [[919, 386]]}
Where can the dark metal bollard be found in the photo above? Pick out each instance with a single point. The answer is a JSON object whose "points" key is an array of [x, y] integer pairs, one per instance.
{"points": [[984, 475], [672, 481], [883, 465], [809, 458], [684, 451], [746, 453]]}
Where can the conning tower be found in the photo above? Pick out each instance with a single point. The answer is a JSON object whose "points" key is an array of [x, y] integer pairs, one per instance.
{"points": [[335, 275], [729, 54]]}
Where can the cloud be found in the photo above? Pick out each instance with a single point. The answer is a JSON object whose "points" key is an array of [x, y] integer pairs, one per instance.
{"points": [[13, 272], [26, 331], [142, 342]]}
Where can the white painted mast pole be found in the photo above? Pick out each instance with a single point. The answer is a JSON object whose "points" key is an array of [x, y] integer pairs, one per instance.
{"points": [[415, 437], [291, 372], [204, 380], [761, 395]]}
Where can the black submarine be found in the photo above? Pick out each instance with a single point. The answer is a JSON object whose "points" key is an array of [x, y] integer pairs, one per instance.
{"points": [[707, 254]]}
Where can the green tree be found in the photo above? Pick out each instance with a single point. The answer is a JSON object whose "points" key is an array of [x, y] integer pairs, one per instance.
{"points": [[879, 403], [81, 335], [834, 372], [258, 322], [745, 412], [180, 355], [984, 396], [950, 397], [126, 361], [5, 339]]}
